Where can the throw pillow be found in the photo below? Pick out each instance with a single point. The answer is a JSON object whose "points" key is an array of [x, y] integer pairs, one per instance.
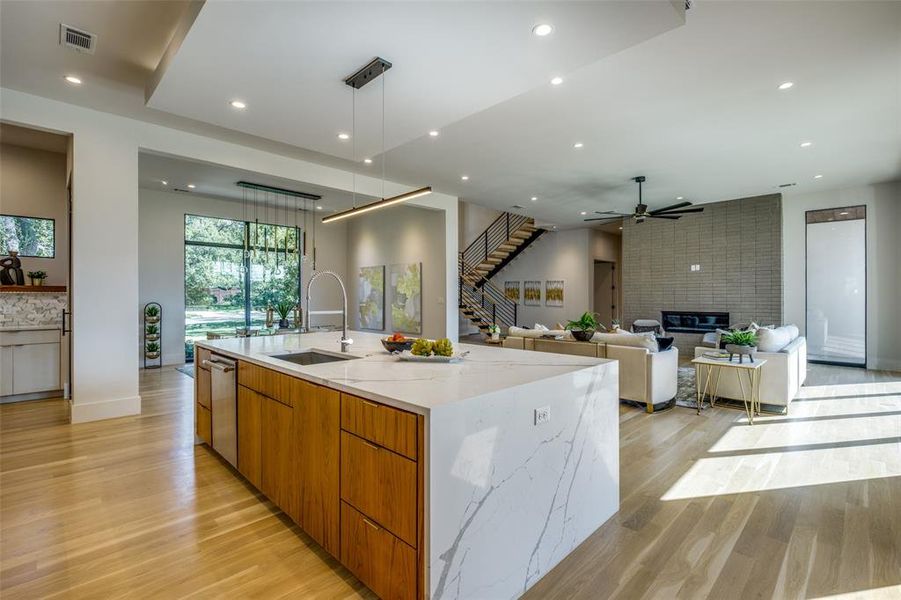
{"points": [[774, 340], [664, 343], [624, 338]]}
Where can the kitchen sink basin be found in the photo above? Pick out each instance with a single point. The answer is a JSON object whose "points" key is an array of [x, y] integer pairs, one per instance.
{"points": [[311, 357]]}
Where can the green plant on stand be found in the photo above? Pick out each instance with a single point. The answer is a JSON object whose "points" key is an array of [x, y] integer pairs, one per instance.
{"points": [[742, 343], [584, 327], [152, 350], [152, 314], [283, 308]]}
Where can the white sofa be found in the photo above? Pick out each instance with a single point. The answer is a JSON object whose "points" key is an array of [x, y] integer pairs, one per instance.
{"points": [[780, 378], [645, 377]]}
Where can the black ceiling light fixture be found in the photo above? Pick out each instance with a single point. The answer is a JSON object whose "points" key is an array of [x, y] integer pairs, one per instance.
{"points": [[673, 212], [373, 70]]}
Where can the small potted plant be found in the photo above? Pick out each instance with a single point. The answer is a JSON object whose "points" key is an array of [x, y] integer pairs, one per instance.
{"points": [[494, 331], [37, 277], [152, 350], [283, 308], [152, 314], [742, 343], [583, 328], [152, 332]]}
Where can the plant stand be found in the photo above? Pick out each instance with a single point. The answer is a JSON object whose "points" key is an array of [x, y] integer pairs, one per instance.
{"points": [[153, 357]]}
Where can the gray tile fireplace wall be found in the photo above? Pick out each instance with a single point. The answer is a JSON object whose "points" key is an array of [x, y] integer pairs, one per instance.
{"points": [[738, 245]]}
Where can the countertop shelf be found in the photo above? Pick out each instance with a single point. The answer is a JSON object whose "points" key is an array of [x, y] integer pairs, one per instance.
{"points": [[32, 289]]}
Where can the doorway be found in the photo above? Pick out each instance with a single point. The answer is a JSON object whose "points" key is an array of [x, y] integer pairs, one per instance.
{"points": [[836, 274], [605, 292]]}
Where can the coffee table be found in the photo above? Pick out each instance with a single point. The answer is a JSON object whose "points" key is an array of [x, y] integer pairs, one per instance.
{"points": [[750, 371]]}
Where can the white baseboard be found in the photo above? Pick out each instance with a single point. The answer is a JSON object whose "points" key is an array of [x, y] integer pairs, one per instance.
{"points": [[83, 412], [884, 364]]}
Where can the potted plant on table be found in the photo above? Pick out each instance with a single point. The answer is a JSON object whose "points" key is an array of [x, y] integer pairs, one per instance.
{"points": [[494, 331], [283, 308], [742, 343], [37, 277], [583, 328]]}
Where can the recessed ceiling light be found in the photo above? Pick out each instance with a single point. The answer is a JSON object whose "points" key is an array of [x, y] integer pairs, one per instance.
{"points": [[556, 81], [318, 208], [238, 104], [464, 177], [534, 198], [368, 161], [806, 144], [786, 85], [343, 136], [843, 213], [583, 213], [620, 227], [433, 133], [73, 79], [192, 186], [543, 29], [817, 176], [679, 197], [578, 145], [164, 182]]}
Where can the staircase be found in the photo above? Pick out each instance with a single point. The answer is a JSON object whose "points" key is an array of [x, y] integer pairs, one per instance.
{"points": [[481, 301]]}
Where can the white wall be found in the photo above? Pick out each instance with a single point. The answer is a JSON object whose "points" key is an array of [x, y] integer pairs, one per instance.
{"points": [[883, 202], [162, 259], [104, 232], [404, 234], [33, 184], [563, 255]]}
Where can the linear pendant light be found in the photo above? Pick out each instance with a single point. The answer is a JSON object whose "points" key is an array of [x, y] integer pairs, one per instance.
{"points": [[352, 212], [376, 68]]}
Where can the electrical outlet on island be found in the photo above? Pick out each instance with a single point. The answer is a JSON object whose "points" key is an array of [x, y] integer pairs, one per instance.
{"points": [[542, 415]]}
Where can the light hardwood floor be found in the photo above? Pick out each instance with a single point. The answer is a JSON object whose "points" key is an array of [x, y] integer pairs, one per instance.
{"points": [[806, 505]]}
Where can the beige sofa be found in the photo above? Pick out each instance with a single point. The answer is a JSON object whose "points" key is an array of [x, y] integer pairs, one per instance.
{"points": [[780, 378], [645, 377]]}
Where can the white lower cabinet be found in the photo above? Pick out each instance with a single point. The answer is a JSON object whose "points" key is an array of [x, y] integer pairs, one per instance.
{"points": [[29, 362]]}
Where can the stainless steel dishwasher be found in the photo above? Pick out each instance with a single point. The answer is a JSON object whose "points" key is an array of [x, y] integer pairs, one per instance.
{"points": [[224, 407]]}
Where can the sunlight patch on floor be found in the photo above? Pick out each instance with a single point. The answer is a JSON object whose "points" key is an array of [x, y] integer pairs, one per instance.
{"points": [[892, 592], [786, 469]]}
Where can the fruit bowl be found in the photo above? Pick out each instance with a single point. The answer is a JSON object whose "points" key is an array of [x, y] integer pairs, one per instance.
{"points": [[395, 346]]}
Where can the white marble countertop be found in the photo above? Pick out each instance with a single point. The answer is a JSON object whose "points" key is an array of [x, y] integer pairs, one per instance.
{"points": [[51, 327], [419, 387]]}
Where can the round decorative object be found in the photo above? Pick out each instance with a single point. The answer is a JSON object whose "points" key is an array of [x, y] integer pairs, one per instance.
{"points": [[283, 324], [664, 343], [152, 337], [150, 319], [152, 355], [582, 335], [741, 351], [398, 346]]}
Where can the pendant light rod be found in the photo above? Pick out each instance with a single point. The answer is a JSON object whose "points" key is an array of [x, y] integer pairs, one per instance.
{"points": [[378, 204], [276, 190]]}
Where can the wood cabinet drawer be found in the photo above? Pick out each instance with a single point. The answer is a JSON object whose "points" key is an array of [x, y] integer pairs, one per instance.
{"points": [[381, 484], [383, 562], [200, 355], [249, 435], [277, 455], [386, 426], [37, 336], [204, 424], [268, 382], [204, 387]]}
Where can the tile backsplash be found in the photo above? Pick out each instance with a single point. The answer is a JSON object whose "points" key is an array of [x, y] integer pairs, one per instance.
{"points": [[27, 308]]}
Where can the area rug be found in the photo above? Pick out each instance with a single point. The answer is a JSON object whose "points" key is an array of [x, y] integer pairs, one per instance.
{"points": [[187, 370], [686, 396]]}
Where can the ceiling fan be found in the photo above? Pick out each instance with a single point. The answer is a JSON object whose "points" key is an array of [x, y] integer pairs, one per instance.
{"points": [[674, 211]]}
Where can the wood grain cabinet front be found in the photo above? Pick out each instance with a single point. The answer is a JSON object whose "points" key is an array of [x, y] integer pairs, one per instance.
{"points": [[381, 484], [380, 560], [204, 424], [277, 476], [384, 425], [249, 435], [204, 387]]}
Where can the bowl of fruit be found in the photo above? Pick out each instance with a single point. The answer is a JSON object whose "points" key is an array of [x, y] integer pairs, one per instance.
{"points": [[432, 351], [397, 343]]}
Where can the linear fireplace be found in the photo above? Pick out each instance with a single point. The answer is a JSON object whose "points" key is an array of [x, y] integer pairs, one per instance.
{"points": [[686, 321]]}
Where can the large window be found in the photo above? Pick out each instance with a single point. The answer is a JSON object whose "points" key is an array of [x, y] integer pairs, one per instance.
{"points": [[229, 284], [29, 236]]}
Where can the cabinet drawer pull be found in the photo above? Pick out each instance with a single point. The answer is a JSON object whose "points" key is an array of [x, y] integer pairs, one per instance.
{"points": [[371, 524], [371, 445], [371, 403]]}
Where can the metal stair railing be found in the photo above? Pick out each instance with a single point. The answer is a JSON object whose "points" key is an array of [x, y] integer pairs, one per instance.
{"points": [[496, 234], [485, 299]]}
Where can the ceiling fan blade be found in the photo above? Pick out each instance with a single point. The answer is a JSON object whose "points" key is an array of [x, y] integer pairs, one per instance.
{"points": [[684, 211], [671, 207], [610, 212], [602, 219], [664, 217]]}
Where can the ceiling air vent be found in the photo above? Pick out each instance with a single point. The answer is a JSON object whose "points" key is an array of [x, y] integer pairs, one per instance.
{"points": [[76, 39]]}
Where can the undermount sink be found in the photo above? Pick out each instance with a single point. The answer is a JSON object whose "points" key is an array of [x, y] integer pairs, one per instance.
{"points": [[311, 357]]}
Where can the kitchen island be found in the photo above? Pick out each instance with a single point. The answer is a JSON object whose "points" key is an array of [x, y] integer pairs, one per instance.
{"points": [[470, 479]]}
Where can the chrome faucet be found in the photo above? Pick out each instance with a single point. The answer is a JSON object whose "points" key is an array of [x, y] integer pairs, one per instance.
{"points": [[345, 341]]}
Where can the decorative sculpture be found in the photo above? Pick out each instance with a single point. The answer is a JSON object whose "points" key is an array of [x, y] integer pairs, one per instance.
{"points": [[11, 269]]}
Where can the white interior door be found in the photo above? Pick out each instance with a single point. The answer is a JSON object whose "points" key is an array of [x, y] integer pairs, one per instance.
{"points": [[836, 287]]}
